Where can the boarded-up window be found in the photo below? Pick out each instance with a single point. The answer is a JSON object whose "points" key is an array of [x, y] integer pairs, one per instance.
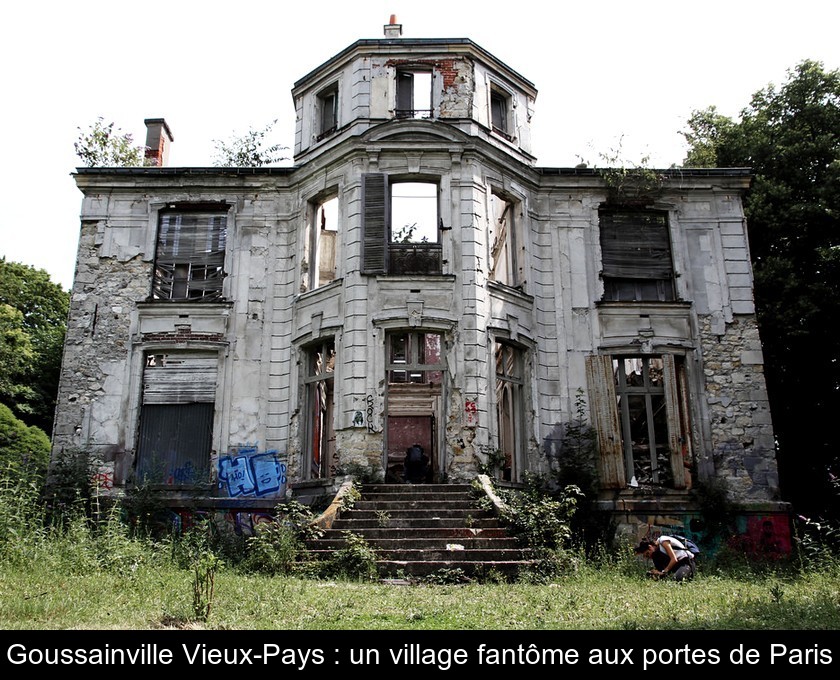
{"points": [[640, 412], [176, 418], [636, 256], [190, 254]]}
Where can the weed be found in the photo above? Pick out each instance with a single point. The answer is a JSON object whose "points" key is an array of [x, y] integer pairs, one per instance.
{"points": [[204, 584], [383, 518], [355, 561]]}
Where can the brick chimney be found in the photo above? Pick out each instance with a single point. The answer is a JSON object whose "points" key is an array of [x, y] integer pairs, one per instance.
{"points": [[158, 139], [392, 28]]}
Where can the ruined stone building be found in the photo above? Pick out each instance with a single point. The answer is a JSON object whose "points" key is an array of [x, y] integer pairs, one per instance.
{"points": [[415, 277]]}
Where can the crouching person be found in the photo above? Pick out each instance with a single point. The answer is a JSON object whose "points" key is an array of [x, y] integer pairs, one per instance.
{"points": [[671, 559]]}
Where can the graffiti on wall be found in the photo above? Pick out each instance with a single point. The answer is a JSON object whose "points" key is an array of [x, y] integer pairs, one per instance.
{"points": [[762, 537], [246, 471]]}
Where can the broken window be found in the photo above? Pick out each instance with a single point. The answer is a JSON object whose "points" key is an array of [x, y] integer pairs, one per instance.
{"points": [[636, 256], [176, 418], [504, 249], [509, 410], [414, 94], [641, 414], [327, 111], [414, 358], [319, 432], [318, 267], [500, 112], [190, 253], [400, 226]]}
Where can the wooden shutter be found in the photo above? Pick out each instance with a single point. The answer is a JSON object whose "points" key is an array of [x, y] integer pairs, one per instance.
{"points": [[604, 412], [678, 437], [374, 223], [405, 94]]}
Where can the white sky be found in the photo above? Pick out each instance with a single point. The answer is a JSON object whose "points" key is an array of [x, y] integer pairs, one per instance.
{"points": [[610, 74]]}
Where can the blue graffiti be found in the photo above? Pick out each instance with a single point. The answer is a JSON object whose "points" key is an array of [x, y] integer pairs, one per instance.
{"points": [[250, 473]]}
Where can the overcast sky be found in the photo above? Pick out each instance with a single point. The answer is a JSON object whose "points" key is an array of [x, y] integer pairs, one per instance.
{"points": [[611, 74]]}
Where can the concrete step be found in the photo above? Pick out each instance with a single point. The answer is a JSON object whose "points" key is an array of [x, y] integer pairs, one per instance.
{"points": [[420, 544], [372, 490], [419, 529], [432, 512], [425, 502], [416, 522], [447, 534]]}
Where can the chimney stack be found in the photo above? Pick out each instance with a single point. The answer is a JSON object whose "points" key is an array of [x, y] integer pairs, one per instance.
{"points": [[158, 139], [393, 29]]}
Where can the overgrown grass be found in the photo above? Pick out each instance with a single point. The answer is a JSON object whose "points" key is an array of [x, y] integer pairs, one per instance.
{"points": [[96, 575]]}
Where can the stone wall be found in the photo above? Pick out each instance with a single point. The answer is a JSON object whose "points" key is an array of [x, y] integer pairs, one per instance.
{"points": [[742, 439]]}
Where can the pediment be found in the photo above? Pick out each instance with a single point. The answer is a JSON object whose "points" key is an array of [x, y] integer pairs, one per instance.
{"points": [[401, 131]]}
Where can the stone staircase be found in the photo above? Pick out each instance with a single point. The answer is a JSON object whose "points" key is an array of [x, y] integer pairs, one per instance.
{"points": [[419, 529]]}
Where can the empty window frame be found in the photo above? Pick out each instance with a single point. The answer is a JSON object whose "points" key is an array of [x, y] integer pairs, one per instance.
{"points": [[327, 111], [176, 419], [400, 226], [505, 248], [500, 111], [319, 455], [636, 256], [510, 413], [414, 357], [318, 267], [414, 94], [190, 254], [641, 415]]}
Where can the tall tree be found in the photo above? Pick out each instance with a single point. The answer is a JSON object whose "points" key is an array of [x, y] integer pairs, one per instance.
{"points": [[251, 150], [790, 137], [33, 323], [101, 145]]}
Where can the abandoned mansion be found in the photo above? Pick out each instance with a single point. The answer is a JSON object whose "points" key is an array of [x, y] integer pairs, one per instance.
{"points": [[242, 335]]}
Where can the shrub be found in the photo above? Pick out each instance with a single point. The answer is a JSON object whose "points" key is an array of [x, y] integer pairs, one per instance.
{"points": [[355, 561]]}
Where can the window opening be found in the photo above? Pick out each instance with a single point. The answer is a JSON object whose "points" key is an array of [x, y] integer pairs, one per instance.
{"points": [[504, 265], [319, 441], [414, 94], [328, 111], [321, 236], [414, 366], [509, 409], [414, 246], [636, 256], [190, 256], [500, 112]]}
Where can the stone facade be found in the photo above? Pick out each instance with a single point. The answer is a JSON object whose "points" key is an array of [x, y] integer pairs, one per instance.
{"points": [[315, 344]]}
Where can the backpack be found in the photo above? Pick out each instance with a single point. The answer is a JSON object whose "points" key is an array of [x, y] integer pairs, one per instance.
{"points": [[690, 545]]}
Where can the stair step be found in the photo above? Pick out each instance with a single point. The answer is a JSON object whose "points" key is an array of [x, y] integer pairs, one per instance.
{"points": [[449, 534], [418, 522], [420, 529], [423, 544]]}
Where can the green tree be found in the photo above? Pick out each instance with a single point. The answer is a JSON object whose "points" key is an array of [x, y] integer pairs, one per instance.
{"points": [[250, 150], [790, 137], [24, 450], [103, 146], [33, 323]]}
